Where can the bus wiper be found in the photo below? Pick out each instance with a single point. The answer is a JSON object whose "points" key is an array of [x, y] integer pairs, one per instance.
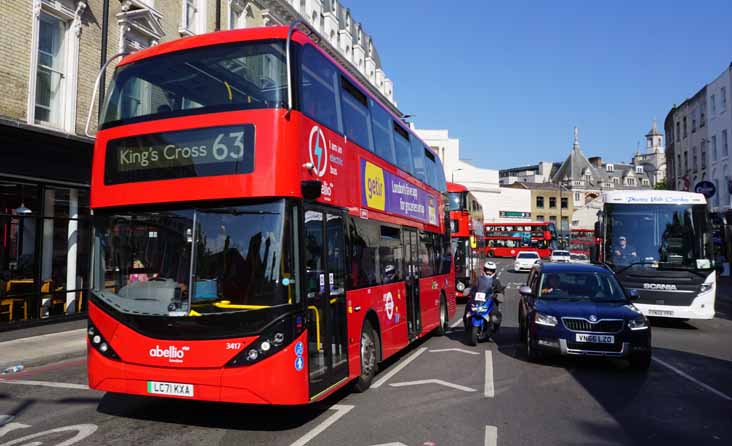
{"points": [[641, 262]]}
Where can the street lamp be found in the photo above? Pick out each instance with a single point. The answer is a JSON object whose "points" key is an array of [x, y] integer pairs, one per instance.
{"points": [[453, 173]]}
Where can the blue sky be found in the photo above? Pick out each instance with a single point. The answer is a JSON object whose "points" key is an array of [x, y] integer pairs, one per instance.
{"points": [[512, 78]]}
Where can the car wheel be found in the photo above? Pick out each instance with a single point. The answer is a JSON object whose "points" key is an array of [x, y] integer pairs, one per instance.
{"points": [[531, 352], [641, 361], [369, 358]]}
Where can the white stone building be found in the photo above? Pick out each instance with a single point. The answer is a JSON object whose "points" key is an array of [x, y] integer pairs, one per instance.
{"points": [[719, 134]]}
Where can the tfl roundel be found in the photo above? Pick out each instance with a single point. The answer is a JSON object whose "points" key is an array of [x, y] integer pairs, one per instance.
{"points": [[318, 150]]}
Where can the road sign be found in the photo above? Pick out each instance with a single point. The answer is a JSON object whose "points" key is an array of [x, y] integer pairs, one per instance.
{"points": [[705, 188]]}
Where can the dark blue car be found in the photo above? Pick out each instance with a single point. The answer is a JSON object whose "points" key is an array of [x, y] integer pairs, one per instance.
{"points": [[574, 309]]}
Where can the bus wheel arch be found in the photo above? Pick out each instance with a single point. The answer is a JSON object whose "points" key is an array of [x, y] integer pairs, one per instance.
{"points": [[370, 338]]}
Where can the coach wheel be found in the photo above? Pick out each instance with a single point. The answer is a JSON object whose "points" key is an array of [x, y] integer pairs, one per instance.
{"points": [[369, 358]]}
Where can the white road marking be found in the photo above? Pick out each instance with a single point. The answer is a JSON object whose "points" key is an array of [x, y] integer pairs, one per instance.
{"points": [[24, 382], [380, 382], [341, 410], [456, 323], [434, 381], [489, 391], [491, 436], [694, 380], [390, 444], [6, 426], [454, 350]]}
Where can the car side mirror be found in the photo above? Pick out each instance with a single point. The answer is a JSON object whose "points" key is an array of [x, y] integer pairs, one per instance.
{"points": [[633, 294], [525, 290]]}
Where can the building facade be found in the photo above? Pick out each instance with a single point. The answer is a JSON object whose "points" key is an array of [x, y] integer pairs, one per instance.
{"points": [[51, 52], [536, 173], [499, 204], [687, 124], [550, 202], [719, 137]]}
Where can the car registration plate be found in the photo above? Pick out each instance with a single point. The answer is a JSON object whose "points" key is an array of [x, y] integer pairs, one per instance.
{"points": [[660, 313], [595, 339], [174, 389]]}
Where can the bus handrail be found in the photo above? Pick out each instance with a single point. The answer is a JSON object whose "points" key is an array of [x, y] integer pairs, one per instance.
{"points": [[290, 32], [96, 88]]}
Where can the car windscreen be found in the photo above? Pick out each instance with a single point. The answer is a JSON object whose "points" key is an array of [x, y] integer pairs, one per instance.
{"points": [[560, 253], [200, 80], [528, 255], [570, 285]]}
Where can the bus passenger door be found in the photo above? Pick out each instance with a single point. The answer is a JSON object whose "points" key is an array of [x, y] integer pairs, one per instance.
{"points": [[325, 271], [411, 271]]}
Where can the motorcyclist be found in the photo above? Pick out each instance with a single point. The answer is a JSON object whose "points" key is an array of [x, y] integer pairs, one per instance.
{"points": [[488, 283]]}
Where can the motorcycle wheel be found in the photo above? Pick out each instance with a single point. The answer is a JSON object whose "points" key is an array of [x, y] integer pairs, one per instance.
{"points": [[472, 335]]}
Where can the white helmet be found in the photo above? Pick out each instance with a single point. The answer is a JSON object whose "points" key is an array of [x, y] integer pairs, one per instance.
{"points": [[489, 266]]}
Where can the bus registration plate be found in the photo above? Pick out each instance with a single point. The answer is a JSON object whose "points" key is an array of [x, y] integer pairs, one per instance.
{"points": [[595, 339], [174, 389]]}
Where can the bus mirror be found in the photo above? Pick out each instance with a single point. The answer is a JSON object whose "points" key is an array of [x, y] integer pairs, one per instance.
{"points": [[633, 294], [599, 229], [310, 189]]}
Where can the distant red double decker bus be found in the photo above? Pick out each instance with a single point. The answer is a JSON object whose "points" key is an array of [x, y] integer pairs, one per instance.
{"points": [[266, 230], [582, 241], [466, 228], [507, 239]]}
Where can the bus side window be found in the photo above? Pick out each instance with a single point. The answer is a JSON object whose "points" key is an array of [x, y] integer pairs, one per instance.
{"points": [[319, 88], [403, 148], [380, 127], [418, 159], [356, 119]]}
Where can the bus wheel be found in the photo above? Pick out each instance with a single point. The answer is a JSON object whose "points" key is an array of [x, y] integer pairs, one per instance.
{"points": [[490, 254], [369, 358], [442, 329]]}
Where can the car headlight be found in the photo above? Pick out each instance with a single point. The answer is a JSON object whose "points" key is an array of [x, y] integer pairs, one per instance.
{"points": [[706, 287], [640, 323], [545, 319], [460, 286]]}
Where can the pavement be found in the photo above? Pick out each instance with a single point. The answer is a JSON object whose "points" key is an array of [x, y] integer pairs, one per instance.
{"points": [[43, 344], [438, 392]]}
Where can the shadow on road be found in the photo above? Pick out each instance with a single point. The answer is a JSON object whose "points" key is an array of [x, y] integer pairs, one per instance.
{"points": [[215, 415]]}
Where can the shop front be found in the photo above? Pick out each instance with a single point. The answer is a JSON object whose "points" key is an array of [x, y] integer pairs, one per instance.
{"points": [[45, 227]]}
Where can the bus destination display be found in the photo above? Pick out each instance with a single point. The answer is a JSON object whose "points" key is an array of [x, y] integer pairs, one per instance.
{"points": [[210, 151]]}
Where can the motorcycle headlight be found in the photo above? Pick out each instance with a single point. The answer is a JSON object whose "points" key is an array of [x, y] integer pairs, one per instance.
{"points": [[705, 287], [460, 286], [545, 319], [640, 323]]}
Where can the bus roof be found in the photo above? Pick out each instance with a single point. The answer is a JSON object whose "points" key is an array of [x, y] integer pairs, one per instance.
{"points": [[455, 187], [653, 197], [263, 33]]}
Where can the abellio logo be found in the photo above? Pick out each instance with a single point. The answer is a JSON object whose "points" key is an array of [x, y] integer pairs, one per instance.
{"points": [[173, 353]]}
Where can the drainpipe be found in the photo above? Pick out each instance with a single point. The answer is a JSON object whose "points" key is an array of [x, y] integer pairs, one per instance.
{"points": [[218, 15], [103, 58]]}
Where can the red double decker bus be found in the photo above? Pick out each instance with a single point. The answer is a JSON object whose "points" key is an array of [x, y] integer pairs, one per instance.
{"points": [[261, 219], [466, 227], [507, 239], [582, 241]]}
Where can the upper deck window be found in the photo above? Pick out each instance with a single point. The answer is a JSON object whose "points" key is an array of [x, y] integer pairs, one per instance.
{"points": [[201, 80]]}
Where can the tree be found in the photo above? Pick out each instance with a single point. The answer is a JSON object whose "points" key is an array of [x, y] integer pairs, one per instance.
{"points": [[661, 185]]}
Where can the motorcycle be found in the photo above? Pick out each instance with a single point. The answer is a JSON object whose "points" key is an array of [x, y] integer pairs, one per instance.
{"points": [[483, 319]]}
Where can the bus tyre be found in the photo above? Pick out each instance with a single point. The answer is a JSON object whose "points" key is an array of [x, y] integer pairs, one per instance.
{"points": [[369, 358], [640, 361], [442, 329]]}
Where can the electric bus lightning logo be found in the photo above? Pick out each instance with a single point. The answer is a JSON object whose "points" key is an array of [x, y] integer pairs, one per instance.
{"points": [[318, 151]]}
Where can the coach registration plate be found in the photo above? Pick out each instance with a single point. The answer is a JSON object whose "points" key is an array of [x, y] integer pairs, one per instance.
{"points": [[174, 389], [595, 339]]}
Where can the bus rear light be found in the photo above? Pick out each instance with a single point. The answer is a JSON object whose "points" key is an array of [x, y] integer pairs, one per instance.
{"points": [[276, 337], [99, 343]]}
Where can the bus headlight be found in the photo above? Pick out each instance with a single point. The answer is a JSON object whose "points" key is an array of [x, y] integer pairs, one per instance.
{"points": [[460, 286], [640, 323], [97, 341], [276, 337], [545, 319]]}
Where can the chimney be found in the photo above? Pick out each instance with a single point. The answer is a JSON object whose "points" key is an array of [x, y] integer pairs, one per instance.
{"points": [[596, 161]]}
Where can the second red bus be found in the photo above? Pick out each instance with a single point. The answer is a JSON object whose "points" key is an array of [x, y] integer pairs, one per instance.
{"points": [[508, 239]]}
